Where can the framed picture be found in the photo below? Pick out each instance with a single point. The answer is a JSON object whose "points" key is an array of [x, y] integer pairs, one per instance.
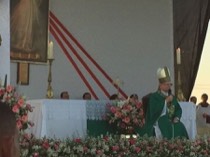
{"points": [[29, 30], [23, 73]]}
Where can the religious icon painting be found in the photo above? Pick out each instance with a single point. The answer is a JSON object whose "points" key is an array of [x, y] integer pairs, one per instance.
{"points": [[29, 30]]}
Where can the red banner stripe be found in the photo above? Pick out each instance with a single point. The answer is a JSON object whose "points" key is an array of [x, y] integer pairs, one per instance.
{"points": [[86, 53], [73, 63], [79, 58]]}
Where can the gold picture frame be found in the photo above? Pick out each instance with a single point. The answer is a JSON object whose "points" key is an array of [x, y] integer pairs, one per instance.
{"points": [[29, 31], [23, 73]]}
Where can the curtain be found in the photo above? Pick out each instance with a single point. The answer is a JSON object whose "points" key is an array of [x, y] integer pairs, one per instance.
{"points": [[190, 19]]}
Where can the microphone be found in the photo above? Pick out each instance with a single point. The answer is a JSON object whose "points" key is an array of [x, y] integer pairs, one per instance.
{"points": [[169, 92]]}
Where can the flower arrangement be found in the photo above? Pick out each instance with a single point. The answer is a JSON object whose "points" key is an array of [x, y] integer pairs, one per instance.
{"points": [[18, 105], [126, 115], [114, 146]]}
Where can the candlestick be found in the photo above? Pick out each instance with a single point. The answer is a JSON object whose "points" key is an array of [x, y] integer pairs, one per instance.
{"points": [[50, 51], [178, 56], [49, 88], [180, 95]]}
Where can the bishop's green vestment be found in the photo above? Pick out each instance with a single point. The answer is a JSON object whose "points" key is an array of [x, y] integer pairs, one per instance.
{"points": [[164, 121]]}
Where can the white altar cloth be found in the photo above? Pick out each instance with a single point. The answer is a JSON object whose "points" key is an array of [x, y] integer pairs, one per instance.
{"points": [[58, 118], [189, 118]]}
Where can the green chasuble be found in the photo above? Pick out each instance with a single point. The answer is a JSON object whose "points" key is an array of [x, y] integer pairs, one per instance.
{"points": [[154, 116]]}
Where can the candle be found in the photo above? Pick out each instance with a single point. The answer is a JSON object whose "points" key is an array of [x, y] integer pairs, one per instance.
{"points": [[178, 56], [50, 50], [5, 81]]}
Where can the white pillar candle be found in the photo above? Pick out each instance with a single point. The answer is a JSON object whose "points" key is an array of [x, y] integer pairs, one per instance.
{"points": [[178, 56], [50, 50]]}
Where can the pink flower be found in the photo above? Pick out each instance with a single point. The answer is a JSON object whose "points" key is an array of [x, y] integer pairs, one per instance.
{"points": [[15, 109], [21, 102], [27, 136], [85, 149], [113, 109], [128, 107], [9, 88], [24, 118], [126, 120], [141, 112], [7, 98], [56, 146], [2, 91], [138, 105], [135, 121], [36, 155], [19, 124], [99, 152], [118, 114]]}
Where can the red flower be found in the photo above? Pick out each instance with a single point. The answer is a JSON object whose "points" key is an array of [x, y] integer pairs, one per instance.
{"points": [[132, 141], [115, 148], [45, 145], [137, 149], [77, 140], [106, 138]]}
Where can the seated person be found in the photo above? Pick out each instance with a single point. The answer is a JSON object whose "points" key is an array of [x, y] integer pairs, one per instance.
{"points": [[64, 95], [163, 111], [9, 145], [86, 96], [134, 98], [114, 97]]}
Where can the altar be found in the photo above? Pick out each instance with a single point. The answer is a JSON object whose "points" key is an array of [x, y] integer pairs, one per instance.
{"points": [[55, 118], [58, 118]]}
